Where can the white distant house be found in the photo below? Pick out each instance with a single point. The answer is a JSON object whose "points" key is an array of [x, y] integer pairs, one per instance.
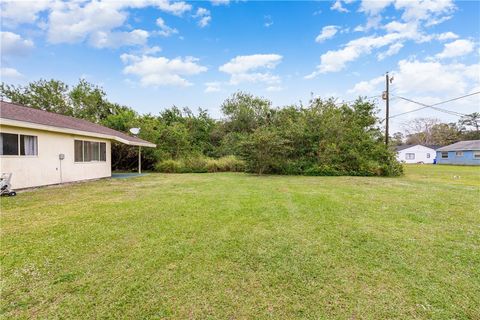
{"points": [[41, 148], [416, 153]]}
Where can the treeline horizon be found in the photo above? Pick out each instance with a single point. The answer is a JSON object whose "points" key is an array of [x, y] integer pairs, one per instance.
{"points": [[319, 138]]}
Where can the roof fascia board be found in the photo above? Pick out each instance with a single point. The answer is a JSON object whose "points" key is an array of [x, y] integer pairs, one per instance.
{"points": [[31, 125]]}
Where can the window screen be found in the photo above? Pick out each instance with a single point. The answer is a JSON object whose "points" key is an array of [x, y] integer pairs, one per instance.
{"points": [[28, 145], [9, 144], [103, 151], [410, 156], [86, 151], [78, 151], [444, 155]]}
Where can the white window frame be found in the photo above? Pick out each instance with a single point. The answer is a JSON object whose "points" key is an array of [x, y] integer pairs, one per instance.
{"points": [[458, 153], [83, 151], [19, 151], [476, 155], [409, 156]]}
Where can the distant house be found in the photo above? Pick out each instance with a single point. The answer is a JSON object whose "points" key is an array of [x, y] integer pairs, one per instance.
{"points": [[42, 148], [415, 153], [463, 152]]}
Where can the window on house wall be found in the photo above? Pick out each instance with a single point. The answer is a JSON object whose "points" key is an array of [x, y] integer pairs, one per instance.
{"points": [[103, 151], [459, 153], [28, 145], [87, 151], [444, 155], [12, 144], [476, 155], [78, 151], [409, 156], [428, 155]]}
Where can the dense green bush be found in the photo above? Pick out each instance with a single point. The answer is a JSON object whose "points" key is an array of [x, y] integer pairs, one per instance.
{"points": [[201, 164]]}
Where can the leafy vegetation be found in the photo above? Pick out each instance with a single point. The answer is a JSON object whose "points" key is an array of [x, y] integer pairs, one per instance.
{"points": [[321, 138], [430, 131], [238, 246]]}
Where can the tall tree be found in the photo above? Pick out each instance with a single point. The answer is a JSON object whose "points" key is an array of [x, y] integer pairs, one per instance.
{"points": [[471, 120], [51, 95]]}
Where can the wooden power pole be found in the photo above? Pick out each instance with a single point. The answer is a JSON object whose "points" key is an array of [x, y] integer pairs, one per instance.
{"points": [[387, 105]]}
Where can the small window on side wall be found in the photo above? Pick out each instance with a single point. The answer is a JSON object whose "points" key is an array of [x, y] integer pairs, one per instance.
{"points": [[444, 155], [428, 155], [476, 155], [12, 144], [103, 151], [459, 153], [9, 144], [410, 156]]}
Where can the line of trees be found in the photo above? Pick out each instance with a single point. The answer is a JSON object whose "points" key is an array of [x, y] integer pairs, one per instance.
{"points": [[320, 138], [430, 131]]}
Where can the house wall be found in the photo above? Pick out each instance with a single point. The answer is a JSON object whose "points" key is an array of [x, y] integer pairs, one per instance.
{"points": [[421, 154], [466, 159], [46, 168]]}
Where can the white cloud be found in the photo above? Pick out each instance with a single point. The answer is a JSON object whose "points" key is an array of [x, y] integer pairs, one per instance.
{"points": [[78, 21], [392, 50], [212, 86], [204, 17], [252, 68], [327, 33], [14, 44], [414, 16], [10, 73], [456, 48], [415, 78], [447, 36], [338, 6], [424, 10], [15, 12], [150, 50], [374, 7], [366, 88], [274, 88], [219, 2], [165, 30], [107, 39], [336, 60], [427, 82], [161, 71]]}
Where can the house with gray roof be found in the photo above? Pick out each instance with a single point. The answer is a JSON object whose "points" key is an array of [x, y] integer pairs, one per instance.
{"points": [[42, 148], [462, 153]]}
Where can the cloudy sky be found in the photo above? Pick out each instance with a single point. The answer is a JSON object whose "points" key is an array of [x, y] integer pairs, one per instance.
{"points": [[152, 54]]}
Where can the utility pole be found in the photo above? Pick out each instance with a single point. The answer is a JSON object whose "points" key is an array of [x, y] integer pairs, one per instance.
{"points": [[386, 97]]}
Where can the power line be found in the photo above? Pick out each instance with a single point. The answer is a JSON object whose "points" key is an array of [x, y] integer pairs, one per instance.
{"points": [[362, 98], [432, 106]]}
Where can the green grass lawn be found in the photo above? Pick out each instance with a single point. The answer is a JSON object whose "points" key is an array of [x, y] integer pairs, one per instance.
{"points": [[237, 246]]}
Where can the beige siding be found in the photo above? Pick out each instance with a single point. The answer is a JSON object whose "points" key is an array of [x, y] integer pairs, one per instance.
{"points": [[45, 169]]}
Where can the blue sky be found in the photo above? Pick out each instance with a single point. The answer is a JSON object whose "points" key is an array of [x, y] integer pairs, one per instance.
{"points": [[152, 54]]}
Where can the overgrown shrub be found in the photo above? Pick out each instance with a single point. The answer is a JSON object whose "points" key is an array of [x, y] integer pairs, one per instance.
{"points": [[168, 166], [228, 164], [201, 164]]}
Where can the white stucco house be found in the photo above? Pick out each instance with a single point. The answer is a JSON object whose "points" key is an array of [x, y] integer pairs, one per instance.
{"points": [[43, 148], [416, 153]]}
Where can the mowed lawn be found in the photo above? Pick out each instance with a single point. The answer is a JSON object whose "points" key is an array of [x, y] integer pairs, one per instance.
{"points": [[238, 246]]}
